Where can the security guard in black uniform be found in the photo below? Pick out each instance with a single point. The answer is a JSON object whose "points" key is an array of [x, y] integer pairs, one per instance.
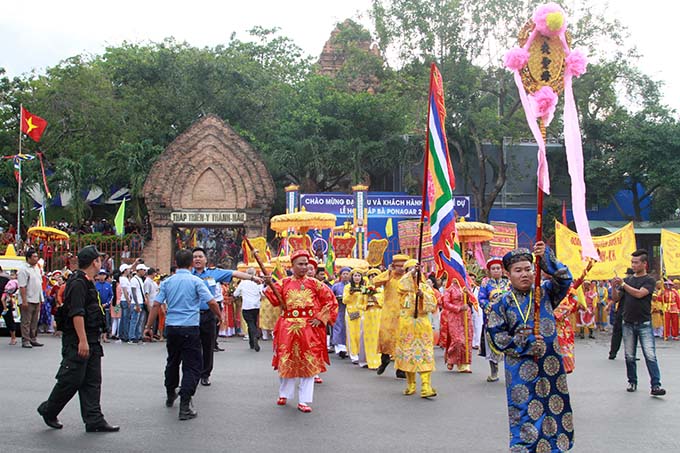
{"points": [[82, 320]]}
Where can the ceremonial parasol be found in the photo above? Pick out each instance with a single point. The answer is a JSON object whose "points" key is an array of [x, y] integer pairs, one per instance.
{"points": [[302, 221], [352, 263], [474, 231], [48, 234], [469, 232]]}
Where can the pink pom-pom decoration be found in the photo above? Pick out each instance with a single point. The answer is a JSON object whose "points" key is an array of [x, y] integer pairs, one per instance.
{"points": [[576, 63], [550, 19], [516, 58], [544, 102]]}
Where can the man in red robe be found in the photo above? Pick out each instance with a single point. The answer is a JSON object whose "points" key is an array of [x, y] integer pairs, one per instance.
{"points": [[307, 306]]}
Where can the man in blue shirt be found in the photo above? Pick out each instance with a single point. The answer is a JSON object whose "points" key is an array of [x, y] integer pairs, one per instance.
{"points": [[213, 279], [105, 297], [184, 294]]}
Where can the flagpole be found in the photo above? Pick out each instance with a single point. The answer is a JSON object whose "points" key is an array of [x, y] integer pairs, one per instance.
{"points": [[18, 235], [426, 165]]}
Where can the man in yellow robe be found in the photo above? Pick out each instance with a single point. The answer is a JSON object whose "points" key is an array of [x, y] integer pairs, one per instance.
{"points": [[415, 339], [389, 317]]}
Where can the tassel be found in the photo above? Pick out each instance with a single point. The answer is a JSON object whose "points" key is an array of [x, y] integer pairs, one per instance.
{"points": [[42, 169]]}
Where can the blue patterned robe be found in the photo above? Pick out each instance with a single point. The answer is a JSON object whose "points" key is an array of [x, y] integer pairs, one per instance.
{"points": [[539, 411], [339, 333]]}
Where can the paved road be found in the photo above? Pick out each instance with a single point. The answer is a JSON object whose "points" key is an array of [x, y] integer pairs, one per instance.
{"points": [[354, 410]]}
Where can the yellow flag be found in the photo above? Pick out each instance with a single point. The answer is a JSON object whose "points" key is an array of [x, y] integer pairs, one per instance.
{"points": [[614, 250], [670, 244], [388, 228]]}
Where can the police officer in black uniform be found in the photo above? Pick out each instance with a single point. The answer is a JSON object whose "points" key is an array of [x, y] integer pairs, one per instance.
{"points": [[81, 320]]}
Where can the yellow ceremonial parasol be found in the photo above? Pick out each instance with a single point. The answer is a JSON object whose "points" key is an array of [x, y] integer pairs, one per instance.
{"points": [[474, 231], [48, 234], [302, 221], [10, 261], [352, 263], [284, 260]]}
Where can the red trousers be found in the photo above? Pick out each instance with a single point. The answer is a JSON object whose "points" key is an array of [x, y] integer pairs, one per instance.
{"points": [[670, 325]]}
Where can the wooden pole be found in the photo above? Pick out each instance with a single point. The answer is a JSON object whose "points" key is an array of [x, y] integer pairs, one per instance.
{"points": [[539, 237], [264, 271]]}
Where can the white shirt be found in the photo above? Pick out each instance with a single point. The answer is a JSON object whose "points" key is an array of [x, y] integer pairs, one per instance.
{"points": [[250, 292], [137, 288], [150, 288], [124, 283], [30, 277]]}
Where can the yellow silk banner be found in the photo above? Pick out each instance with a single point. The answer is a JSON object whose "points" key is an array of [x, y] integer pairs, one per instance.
{"points": [[670, 244], [614, 250]]}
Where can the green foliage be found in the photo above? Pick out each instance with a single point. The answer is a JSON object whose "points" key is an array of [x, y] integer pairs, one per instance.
{"points": [[111, 115]]}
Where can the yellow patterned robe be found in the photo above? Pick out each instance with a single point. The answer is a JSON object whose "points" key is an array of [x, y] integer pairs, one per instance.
{"points": [[355, 301], [372, 314], [389, 316], [415, 339], [269, 314]]}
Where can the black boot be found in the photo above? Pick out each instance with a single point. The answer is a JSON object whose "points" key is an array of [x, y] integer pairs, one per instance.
{"points": [[400, 374], [384, 362], [186, 409], [172, 396]]}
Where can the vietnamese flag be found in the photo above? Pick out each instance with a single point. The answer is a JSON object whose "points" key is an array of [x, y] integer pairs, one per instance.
{"points": [[32, 125]]}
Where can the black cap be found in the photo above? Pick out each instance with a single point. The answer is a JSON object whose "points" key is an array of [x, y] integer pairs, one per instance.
{"points": [[88, 254]]}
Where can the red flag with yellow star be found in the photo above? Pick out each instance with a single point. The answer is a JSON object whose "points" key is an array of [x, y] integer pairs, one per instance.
{"points": [[32, 125]]}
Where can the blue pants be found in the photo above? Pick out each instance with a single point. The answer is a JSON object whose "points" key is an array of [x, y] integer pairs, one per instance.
{"points": [[137, 320], [124, 320], [642, 331]]}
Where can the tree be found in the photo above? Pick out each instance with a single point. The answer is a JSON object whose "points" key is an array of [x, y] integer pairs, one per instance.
{"points": [[129, 165], [467, 39]]}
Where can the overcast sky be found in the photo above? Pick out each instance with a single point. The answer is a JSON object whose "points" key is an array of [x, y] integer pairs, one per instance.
{"points": [[36, 34]]}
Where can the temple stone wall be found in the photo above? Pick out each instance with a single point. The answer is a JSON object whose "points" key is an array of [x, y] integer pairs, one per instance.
{"points": [[209, 169]]}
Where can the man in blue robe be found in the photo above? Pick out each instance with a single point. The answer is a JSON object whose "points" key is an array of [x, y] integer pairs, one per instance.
{"points": [[539, 410]]}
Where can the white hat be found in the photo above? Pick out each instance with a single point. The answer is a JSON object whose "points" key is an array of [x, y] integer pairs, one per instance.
{"points": [[142, 267], [124, 267]]}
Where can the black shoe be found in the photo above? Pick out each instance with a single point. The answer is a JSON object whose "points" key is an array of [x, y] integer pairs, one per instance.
{"points": [[612, 356], [658, 391], [400, 374], [35, 344], [591, 336], [257, 348], [205, 381], [103, 428], [633, 387], [52, 422], [218, 349], [186, 409], [342, 354], [170, 400], [384, 363]]}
